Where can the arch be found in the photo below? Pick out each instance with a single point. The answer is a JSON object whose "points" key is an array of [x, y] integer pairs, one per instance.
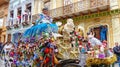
{"points": [[97, 25]]}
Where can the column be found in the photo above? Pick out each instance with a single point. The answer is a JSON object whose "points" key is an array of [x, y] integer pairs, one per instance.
{"points": [[53, 4], [35, 9], [40, 5], [59, 3], [116, 30], [114, 4], [15, 16], [23, 10]]}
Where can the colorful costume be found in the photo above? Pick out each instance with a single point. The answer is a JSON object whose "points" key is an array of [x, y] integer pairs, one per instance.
{"points": [[44, 24], [82, 57]]}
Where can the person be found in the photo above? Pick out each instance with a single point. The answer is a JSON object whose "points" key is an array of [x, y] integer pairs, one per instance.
{"points": [[11, 20], [43, 24], [26, 15], [116, 50], [83, 57], [1, 46], [19, 18], [104, 43], [110, 52], [7, 48]]}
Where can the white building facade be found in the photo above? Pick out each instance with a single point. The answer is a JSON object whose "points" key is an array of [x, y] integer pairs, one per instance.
{"points": [[16, 17]]}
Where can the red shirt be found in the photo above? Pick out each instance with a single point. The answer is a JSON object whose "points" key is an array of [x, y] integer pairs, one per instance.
{"points": [[19, 17]]}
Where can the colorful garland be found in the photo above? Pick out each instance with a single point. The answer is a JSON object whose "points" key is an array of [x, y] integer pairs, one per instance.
{"points": [[98, 61]]}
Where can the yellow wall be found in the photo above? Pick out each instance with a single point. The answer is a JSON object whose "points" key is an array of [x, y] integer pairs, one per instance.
{"points": [[4, 10], [115, 21], [86, 24], [112, 22], [116, 29]]}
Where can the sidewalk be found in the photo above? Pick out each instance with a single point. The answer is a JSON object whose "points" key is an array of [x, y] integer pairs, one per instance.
{"points": [[116, 65], [2, 63]]}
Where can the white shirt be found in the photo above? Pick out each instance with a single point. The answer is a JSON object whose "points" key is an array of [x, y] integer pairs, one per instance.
{"points": [[7, 47]]}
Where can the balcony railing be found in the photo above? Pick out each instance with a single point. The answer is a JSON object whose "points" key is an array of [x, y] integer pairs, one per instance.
{"points": [[80, 7], [84, 6]]}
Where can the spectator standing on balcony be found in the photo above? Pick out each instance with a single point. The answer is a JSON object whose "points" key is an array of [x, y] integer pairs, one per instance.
{"points": [[11, 20], [19, 18], [26, 15]]}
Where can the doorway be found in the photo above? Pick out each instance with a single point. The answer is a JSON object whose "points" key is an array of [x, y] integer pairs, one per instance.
{"points": [[100, 32], [9, 37]]}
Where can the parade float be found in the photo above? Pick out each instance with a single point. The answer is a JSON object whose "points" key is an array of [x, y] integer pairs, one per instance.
{"points": [[38, 46], [42, 45]]}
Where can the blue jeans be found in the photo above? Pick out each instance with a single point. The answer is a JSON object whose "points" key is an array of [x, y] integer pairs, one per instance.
{"points": [[118, 58]]}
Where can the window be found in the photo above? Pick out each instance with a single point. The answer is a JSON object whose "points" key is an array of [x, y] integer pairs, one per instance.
{"points": [[27, 13], [1, 22], [19, 11], [9, 38], [10, 23], [28, 6]]}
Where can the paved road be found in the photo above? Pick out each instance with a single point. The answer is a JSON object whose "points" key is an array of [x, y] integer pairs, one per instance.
{"points": [[2, 63], [116, 65]]}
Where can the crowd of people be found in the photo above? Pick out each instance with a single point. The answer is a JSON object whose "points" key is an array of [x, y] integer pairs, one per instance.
{"points": [[40, 54]]}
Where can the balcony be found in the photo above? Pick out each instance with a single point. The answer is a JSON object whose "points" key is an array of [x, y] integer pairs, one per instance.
{"points": [[84, 7], [80, 8]]}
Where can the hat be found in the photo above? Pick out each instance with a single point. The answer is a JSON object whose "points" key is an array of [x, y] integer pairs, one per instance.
{"points": [[45, 8]]}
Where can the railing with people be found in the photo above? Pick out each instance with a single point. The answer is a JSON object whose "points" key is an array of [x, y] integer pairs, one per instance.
{"points": [[22, 20], [77, 7], [84, 5]]}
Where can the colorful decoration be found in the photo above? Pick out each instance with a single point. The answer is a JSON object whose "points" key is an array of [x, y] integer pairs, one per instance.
{"points": [[39, 46], [98, 61]]}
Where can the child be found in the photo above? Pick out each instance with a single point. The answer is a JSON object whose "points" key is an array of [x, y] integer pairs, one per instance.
{"points": [[83, 56]]}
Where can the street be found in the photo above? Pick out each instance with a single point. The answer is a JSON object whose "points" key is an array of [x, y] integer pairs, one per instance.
{"points": [[2, 63]]}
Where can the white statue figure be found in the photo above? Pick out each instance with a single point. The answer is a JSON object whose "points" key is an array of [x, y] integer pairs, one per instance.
{"points": [[69, 26], [93, 41]]}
